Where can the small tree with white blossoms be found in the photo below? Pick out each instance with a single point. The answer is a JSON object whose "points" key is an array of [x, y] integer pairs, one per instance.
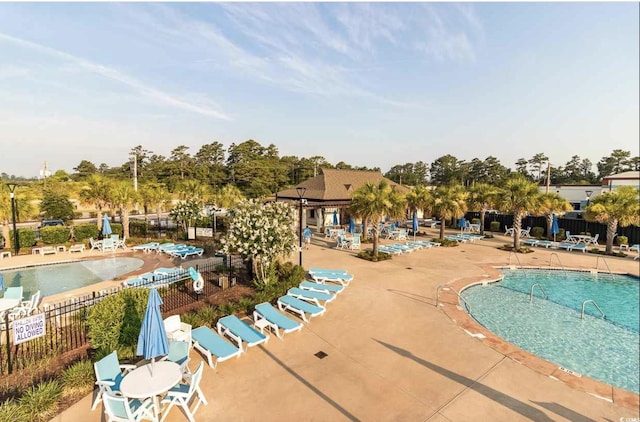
{"points": [[261, 233]]}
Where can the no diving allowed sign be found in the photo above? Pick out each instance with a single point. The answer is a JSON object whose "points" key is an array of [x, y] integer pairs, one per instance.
{"points": [[28, 328]]}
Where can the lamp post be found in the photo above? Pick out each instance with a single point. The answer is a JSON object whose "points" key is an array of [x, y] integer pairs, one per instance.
{"points": [[301, 190], [213, 219], [588, 192], [12, 188]]}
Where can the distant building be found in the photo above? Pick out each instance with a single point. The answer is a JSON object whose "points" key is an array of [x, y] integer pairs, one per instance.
{"points": [[580, 195], [331, 192]]}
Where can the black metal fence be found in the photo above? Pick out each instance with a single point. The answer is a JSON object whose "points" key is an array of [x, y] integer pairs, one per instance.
{"points": [[65, 329], [572, 225]]}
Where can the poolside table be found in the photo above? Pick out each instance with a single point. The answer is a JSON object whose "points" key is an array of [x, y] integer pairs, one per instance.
{"points": [[141, 383]]}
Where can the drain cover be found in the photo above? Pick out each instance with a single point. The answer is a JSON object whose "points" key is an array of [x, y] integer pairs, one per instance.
{"points": [[320, 355], [409, 268]]}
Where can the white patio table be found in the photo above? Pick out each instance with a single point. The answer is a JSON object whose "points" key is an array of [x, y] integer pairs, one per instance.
{"points": [[6, 304], [580, 238], [141, 383]]}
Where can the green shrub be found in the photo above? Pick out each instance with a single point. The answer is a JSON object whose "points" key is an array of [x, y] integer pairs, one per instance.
{"points": [[114, 323], [77, 215], [41, 402], [54, 235], [26, 237], [494, 226], [537, 232], [78, 379], [622, 240], [11, 411], [83, 232], [138, 228], [475, 221], [206, 316], [93, 214], [245, 305], [560, 234], [116, 228], [228, 308]]}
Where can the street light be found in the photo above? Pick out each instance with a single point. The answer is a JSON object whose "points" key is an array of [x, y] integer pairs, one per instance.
{"points": [[588, 192], [301, 190], [213, 210], [12, 188]]}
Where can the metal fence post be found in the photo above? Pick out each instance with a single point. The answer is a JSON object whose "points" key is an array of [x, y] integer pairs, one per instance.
{"points": [[6, 324]]}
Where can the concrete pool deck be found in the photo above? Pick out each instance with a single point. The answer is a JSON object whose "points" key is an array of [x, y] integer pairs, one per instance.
{"points": [[392, 354]]}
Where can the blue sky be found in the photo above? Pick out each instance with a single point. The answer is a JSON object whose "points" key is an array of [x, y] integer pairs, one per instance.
{"points": [[370, 84]]}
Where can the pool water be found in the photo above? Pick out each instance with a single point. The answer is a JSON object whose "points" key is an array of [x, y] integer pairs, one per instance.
{"points": [[604, 349], [58, 278]]}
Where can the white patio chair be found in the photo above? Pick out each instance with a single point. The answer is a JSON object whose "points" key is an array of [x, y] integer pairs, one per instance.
{"points": [[182, 394], [355, 242], [108, 245], [109, 374], [95, 244], [26, 308], [594, 240], [176, 329], [525, 232], [118, 408], [508, 231]]}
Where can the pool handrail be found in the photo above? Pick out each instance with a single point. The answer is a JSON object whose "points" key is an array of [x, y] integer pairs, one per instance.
{"points": [[606, 265]]}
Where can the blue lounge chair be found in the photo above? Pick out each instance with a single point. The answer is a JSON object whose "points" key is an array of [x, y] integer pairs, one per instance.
{"points": [[240, 332], [544, 243], [310, 296], [299, 307], [210, 344], [184, 253], [579, 247], [147, 247], [318, 287], [326, 270], [266, 316], [530, 242]]}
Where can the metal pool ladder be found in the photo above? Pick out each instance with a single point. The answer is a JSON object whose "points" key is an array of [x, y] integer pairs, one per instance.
{"points": [[447, 288], [517, 259], [559, 262], [594, 304], [541, 289], [598, 258]]}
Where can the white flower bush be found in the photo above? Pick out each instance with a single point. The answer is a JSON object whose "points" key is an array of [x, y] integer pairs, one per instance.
{"points": [[261, 233]]}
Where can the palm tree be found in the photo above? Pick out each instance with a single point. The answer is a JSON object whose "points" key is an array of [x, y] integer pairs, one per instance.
{"points": [[124, 197], [157, 195], [449, 202], [419, 198], [520, 197], [619, 207], [192, 189], [552, 203], [482, 197], [97, 192], [374, 202], [228, 196]]}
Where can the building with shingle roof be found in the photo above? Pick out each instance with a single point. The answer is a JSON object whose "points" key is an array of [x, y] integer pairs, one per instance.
{"points": [[331, 191]]}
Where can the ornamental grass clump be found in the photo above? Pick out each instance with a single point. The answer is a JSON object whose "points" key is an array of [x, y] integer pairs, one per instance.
{"points": [[78, 379], [40, 402]]}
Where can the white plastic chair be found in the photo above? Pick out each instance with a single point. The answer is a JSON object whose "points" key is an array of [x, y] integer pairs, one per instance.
{"points": [[120, 409], [176, 329], [182, 394], [109, 374], [95, 244], [27, 307]]}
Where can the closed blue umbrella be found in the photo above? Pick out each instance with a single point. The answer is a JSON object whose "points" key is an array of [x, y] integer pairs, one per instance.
{"points": [[335, 217], [1, 282], [554, 227], [106, 226], [352, 225], [462, 223], [414, 224], [152, 341]]}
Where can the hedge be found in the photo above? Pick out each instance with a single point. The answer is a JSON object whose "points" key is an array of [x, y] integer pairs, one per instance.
{"points": [[83, 232], [26, 237], [54, 235], [138, 228]]}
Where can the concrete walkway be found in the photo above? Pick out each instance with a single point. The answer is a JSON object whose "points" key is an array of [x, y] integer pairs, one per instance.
{"points": [[393, 355]]}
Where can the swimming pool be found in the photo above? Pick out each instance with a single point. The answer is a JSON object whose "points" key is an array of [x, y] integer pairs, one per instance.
{"points": [[604, 349], [58, 278]]}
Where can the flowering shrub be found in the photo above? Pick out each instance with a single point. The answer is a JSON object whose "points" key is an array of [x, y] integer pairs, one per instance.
{"points": [[261, 234]]}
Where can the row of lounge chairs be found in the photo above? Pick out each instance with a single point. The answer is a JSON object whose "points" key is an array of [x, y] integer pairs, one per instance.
{"points": [[176, 250], [464, 238], [400, 248], [234, 336], [160, 277], [569, 246]]}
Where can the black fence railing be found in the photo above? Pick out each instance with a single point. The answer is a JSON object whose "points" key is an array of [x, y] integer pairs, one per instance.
{"points": [[65, 330], [573, 225]]}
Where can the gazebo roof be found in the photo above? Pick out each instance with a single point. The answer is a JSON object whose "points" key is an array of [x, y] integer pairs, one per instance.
{"points": [[336, 185]]}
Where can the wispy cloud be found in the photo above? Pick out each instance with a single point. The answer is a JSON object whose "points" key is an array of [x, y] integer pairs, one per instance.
{"points": [[115, 75]]}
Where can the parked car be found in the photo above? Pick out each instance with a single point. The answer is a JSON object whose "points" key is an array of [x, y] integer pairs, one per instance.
{"points": [[51, 223]]}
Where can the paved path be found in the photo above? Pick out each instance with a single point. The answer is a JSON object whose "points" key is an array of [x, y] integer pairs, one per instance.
{"points": [[392, 355]]}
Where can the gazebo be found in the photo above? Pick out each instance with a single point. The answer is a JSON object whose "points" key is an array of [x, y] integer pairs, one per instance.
{"points": [[328, 192]]}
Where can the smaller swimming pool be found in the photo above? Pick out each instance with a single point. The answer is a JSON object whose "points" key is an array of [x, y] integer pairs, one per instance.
{"points": [[58, 278]]}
